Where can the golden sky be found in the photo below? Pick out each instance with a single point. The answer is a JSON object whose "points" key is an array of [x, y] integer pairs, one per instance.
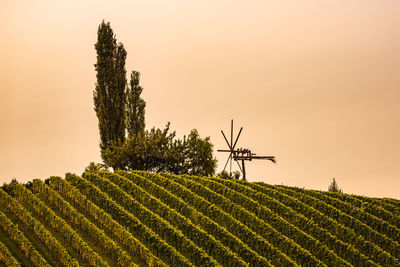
{"points": [[315, 83]]}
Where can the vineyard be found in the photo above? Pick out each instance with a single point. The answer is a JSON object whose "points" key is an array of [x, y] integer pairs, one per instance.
{"points": [[147, 219]]}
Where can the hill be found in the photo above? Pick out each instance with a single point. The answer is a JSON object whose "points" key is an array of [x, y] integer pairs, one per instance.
{"points": [[147, 219]]}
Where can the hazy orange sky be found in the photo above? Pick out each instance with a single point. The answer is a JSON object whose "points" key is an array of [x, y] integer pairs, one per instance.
{"points": [[315, 83]]}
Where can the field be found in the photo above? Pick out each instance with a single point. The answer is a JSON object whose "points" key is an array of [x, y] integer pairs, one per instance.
{"points": [[147, 219]]}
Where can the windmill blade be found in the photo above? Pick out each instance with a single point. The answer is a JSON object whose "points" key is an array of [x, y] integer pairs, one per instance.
{"points": [[230, 167], [227, 162], [231, 134], [226, 139], [271, 158], [237, 138], [232, 148]]}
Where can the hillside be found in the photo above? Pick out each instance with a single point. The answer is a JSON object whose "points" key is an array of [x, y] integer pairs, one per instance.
{"points": [[146, 219]]}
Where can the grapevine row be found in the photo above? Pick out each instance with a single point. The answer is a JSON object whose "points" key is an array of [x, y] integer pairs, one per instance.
{"points": [[177, 203], [370, 226], [266, 231], [58, 252], [375, 208], [6, 257], [158, 246], [213, 247], [326, 215], [56, 224], [155, 222], [119, 233], [337, 237], [257, 243], [243, 196], [78, 221], [26, 247]]}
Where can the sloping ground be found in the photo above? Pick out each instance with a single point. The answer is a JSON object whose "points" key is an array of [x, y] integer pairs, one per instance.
{"points": [[146, 219]]}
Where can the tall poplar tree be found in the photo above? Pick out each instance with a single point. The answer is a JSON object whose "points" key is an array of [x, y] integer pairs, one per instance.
{"points": [[110, 92], [135, 107]]}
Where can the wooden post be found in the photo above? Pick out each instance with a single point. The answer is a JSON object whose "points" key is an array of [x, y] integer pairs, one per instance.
{"points": [[243, 170]]}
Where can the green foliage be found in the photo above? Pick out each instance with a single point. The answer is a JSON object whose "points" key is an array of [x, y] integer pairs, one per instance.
{"points": [[158, 246], [150, 219], [377, 229], [261, 232], [293, 211], [155, 151], [58, 252], [161, 227], [193, 193], [55, 224], [14, 233], [183, 200], [79, 222], [347, 228], [245, 198], [95, 167], [159, 151], [120, 108], [6, 257], [198, 155], [135, 105], [229, 176], [206, 241], [99, 217], [109, 95]]}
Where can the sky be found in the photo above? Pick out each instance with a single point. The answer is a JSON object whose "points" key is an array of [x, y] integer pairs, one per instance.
{"points": [[314, 83]]}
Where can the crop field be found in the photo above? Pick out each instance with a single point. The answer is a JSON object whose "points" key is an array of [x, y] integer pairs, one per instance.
{"points": [[146, 219]]}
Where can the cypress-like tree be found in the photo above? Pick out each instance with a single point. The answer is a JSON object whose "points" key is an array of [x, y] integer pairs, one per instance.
{"points": [[110, 92], [135, 107], [334, 187]]}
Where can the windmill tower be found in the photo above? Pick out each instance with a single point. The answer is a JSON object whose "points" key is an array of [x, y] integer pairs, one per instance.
{"points": [[240, 154]]}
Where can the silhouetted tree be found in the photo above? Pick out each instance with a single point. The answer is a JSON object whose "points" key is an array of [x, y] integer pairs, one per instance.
{"points": [[109, 94], [334, 187]]}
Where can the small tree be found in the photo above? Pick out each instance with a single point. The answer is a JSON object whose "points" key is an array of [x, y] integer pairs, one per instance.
{"points": [[198, 153], [158, 150], [334, 187]]}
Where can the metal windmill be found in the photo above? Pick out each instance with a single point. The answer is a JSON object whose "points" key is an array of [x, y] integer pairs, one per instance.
{"points": [[240, 154]]}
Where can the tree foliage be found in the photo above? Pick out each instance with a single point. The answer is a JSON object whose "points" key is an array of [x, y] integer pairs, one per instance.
{"points": [[226, 175], [109, 93], [334, 187], [95, 167], [135, 106], [198, 155], [158, 150], [120, 110], [151, 150]]}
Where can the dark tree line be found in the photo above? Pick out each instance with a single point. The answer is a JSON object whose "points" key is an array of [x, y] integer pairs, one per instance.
{"points": [[125, 144]]}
